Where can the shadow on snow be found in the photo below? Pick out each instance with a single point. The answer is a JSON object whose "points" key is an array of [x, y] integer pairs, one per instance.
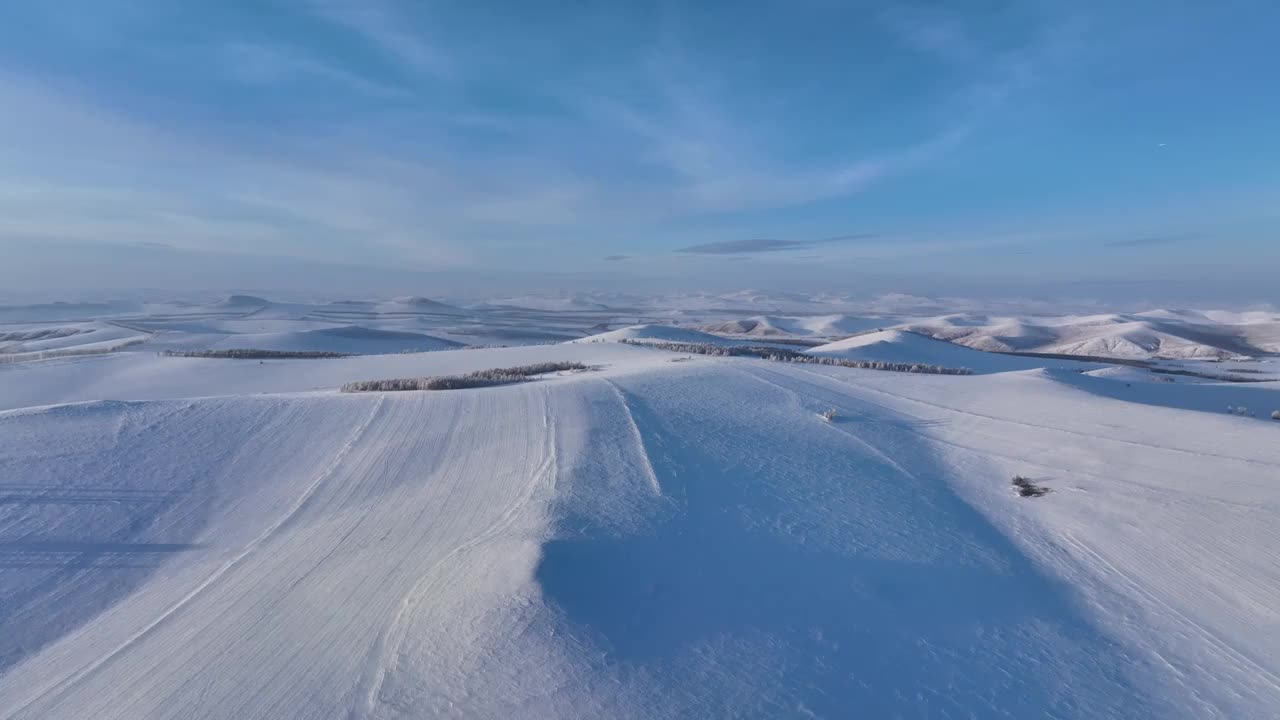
{"points": [[933, 626]]}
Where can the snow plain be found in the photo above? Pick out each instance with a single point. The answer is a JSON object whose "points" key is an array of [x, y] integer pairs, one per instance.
{"points": [[210, 538]]}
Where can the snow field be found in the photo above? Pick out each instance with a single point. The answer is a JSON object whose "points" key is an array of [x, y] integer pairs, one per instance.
{"points": [[235, 539]]}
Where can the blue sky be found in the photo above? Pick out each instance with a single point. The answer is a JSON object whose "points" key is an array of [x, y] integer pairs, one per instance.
{"points": [[812, 144]]}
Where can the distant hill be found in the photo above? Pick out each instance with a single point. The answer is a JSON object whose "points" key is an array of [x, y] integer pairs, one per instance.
{"points": [[352, 339]]}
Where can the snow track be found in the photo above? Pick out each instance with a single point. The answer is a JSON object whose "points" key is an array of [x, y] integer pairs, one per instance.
{"points": [[1137, 527], [69, 683], [362, 543]]}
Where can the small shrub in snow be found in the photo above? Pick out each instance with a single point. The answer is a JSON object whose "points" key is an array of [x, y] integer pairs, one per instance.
{"points": [[480, 378], [829, 415], [1242, 411], [1026, 488]]}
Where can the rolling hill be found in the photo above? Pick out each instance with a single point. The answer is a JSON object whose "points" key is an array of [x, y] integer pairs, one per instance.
{"points": [[714, 537], [1160, 334], [350, 339]]}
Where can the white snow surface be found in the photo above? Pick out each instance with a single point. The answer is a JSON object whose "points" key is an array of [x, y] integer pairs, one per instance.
{"points": [[900, 346], [820, 326], [202, 538], [655, 333], [351, 339], [22, 342], [1177, 334]]}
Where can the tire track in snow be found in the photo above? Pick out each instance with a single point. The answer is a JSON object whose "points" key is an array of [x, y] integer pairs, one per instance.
{"points": [[60, 689], [981, 453], [391, 640], [885, 457], [1020, 423], [301, 544], [639, 439], [1020, 459], [1132, 587], [403, 420], [365, 472], [1209, 637]]}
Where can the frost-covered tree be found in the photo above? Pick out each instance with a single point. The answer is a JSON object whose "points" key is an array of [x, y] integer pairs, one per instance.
{"points": [[479, 378], [254, 354], [791, 356]]}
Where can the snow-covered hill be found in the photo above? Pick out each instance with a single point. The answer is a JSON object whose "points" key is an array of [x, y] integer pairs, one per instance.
{"points": [[822, 326], [351, 339], [26, 342], [190, 537], [900, 346], [654, 333], [1156, 334]]}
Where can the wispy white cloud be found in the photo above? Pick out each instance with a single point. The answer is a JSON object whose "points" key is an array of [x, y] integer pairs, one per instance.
{"points": [[118, 178], [759, 245], [712, 158], [277, 64], [390, 30], [930, 29], [657, 139]]}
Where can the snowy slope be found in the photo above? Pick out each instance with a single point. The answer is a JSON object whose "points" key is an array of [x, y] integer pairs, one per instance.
{"points": [[573, 302], [899, 346], [654, 333], [1157, 516], [148, 376], [24, 342], [1179, 334], [351, 339], [296, 583], [822, 326], [242, 302], [67, 311], [651, 540]]}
